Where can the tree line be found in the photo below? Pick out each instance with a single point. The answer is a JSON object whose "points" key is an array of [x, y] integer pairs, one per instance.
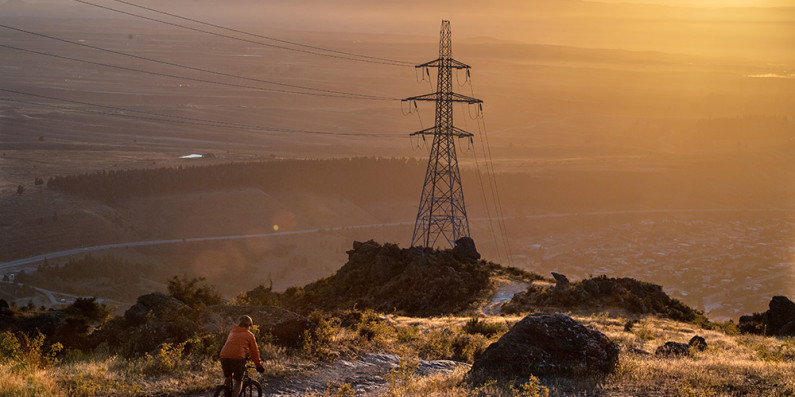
{"points": [[358, 178]]}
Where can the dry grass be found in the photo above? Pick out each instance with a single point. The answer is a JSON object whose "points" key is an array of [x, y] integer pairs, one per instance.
{"points": [[111, 376], [732, 365], [745, 365]]}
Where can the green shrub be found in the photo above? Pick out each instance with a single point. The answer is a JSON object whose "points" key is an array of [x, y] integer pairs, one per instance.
{"points": [[407, 334], [531, 388], [478, 326], [167, 360], [327, 326], [28, 352], [448, 345], [401, 376], [206, 346], [374, 329]]}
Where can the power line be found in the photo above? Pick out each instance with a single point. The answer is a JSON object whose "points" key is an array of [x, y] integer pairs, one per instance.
{"points": [[485, 201], [349, 94], [258, 35], [403, 64], [152, 116], [493, 183], [492, 175], [177, 76]]}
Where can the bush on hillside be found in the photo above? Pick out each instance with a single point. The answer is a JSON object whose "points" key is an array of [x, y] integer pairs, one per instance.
{"points": [[602, 292], [70, 326], [193, 292]]}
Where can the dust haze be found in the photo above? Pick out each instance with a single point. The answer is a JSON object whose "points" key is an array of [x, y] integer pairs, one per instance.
{"points": [[646, 139]]}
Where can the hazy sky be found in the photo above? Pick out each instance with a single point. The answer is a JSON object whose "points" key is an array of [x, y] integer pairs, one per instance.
{"points": [[710, 3]]}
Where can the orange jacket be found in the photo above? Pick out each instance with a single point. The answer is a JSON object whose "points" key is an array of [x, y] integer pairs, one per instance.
{"points": [[238, 342]]}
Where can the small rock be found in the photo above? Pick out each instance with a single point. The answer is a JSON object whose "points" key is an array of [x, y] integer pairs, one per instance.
{"points": [[639, 352], [674, 349], [698, 342], [562, 282]]}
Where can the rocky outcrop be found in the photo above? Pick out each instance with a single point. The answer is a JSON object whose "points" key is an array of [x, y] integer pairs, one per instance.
{"points": [[155, 319], [416, 281], [542, 345], [465, 250], [154, 305], [286, 327], [778, 320], [603, 293]]}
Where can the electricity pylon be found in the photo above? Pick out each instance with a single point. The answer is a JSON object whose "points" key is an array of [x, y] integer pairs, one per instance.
{"points": [[442, 213]]}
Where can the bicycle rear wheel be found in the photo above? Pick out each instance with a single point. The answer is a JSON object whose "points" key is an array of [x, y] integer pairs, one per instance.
{"points": [[252, 389]]}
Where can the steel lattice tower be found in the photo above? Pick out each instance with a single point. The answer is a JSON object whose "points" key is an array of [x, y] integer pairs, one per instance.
{"points": [[442, 213]]}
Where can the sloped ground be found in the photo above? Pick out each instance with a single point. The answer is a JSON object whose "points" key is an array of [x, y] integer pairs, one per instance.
{"points": [[369, 374]]}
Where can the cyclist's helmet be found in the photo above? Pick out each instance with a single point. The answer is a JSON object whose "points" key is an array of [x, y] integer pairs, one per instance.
{"points": [[245, 321]]}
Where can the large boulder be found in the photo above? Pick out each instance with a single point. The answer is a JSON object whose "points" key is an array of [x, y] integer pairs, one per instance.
{"points": [[781, 313], [542, 344], [155, 319], [154, 305], [286, 327], [778, 320]]}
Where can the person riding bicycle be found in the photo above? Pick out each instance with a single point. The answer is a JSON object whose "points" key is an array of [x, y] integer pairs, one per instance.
{"points": [[233, 354]]}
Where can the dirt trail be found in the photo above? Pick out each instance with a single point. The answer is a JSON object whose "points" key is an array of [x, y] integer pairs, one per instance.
{"points": [[506, 289], [368, 375]]}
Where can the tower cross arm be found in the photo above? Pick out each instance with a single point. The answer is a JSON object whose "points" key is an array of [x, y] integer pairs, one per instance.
{"points": [[452, 63], [459, 133], [436, 96]]}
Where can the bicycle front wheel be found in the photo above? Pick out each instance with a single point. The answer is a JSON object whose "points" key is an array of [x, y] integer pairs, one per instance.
{"points": [[251, 389], [220, 391]]}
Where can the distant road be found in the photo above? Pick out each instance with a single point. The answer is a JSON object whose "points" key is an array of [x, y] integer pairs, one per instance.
{"points": [[83, 250]]}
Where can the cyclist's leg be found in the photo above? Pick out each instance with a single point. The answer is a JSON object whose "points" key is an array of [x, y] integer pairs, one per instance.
{"points": [[239, 366], [230, 368]]}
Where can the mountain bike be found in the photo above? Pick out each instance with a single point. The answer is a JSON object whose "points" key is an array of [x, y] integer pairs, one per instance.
{"points": [[251, 388]]}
